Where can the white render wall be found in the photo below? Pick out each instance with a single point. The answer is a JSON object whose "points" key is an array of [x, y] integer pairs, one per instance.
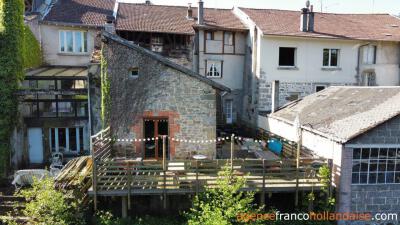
{"points": [[50, 46], [309, 55], [320, 145]]}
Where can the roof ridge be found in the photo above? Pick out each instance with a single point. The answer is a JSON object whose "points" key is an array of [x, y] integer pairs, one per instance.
{"points": [[175, 6], [165, 61], [316, 12]]}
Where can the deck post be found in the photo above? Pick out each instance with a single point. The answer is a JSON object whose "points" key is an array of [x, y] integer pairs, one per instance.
{"points": [[164, 172], [124, 207], [263, 184], [129, 181], [232, 148], [197, 177], [94, 183]]}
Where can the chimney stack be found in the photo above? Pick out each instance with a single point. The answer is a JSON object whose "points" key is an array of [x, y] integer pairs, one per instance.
{"points": [[110, 26], [200, 14], [190, 11], [275, 96], [147, 2], [304, 19], [311, 20]]}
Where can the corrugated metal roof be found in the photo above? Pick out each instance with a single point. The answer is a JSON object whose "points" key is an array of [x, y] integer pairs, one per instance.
{"points": [[342, 113]]}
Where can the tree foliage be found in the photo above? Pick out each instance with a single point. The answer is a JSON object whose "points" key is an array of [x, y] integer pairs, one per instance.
{"points": [[11, 72], [46, 205], [222, 205]]}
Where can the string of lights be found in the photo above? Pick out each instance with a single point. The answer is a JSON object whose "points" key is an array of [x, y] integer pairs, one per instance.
{"points": [[183, 140]]}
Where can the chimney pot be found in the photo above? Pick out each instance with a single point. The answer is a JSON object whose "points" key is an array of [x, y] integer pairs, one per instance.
{"points": [[200, 14]]}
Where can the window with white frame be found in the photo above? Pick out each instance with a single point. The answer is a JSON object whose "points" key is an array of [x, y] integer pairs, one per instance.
{"points": [[376, 166], [330, 57], [67, 139], [228, 108], [73, 41], [214, 69], [369, 54]]}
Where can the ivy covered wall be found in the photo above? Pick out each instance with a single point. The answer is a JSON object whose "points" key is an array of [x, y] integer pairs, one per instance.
{"points": [[105, 90], [32, 54], [11, 72]]}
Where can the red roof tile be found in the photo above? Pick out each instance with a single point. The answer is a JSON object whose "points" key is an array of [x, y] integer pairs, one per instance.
{"points": [[171, 19], [85, 12], [328, 25]]}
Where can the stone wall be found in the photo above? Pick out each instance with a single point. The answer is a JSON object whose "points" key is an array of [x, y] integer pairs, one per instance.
{"points": [[286, 89], [160, 91]]}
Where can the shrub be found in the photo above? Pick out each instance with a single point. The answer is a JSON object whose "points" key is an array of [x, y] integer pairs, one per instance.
{"points": [[32, 54], [222, 205]]}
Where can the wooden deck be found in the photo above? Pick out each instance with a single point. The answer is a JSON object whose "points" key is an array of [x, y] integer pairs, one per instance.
{"points": [[114, 177]]}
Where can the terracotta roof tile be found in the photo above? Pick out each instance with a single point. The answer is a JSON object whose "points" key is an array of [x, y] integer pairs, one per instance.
{"points": [[85, 12], [328, 25], [171, 19]]}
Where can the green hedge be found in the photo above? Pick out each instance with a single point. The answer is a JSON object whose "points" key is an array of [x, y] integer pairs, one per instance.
{"points": [[32, 54], [11, 72]]}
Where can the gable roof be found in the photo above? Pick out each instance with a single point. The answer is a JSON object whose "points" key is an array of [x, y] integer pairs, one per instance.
{"points": [[165, 61], [342, 113], [80, 12], [382, 27], [172, 19]]}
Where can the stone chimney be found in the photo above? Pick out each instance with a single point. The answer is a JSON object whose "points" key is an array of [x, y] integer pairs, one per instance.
{"points": [[189, 11], [110, 26], [307, 18], [275, 96], [200, 14]]}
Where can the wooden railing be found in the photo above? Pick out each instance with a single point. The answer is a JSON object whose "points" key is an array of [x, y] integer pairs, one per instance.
{"points": [[116, 177], [101, 145]]}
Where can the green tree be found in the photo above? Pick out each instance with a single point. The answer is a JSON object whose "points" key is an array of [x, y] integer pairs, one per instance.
{"points": [[221, 205], [11, 72], [46, 205]]}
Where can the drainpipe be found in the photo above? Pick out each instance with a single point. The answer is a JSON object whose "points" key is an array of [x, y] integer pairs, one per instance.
{"points": [[358, 76]]}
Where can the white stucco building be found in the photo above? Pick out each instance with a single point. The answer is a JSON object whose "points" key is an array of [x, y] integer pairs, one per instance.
{"points": [[329, 49]]}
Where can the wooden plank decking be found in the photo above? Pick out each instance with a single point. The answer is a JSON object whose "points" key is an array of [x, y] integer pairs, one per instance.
{"points": [[128, 177]]}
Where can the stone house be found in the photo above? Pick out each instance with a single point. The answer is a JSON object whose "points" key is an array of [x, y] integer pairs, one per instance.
{"points": [[153, 96], [358, 128], [308, 51]]}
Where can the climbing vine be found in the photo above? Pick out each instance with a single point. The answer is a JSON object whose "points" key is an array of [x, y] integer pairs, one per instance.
{"points": [[105, 90], [11, 72]]}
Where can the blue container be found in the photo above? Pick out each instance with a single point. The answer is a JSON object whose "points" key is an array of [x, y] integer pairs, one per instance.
{"points": [[275, 146]]}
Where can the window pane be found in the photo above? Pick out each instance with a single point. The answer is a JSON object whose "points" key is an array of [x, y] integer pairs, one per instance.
{"points": [[364, 166], [373, 166], [85, 42], [53, 139], [383, 153], [381, 178], [70, 41], [66, 109], [397, 177], [365, 153], [382, 166], [356, 153], [325, 61], [334, 57], [78, 41], [391, 153], [390, 165], [287, 56], [374, 153], [47, 109], [372, 178], [228, 38], [363, 178], [81, 139], [72, 139], [355, 179], [390, 177], [356, 167], [62, 41], [82, 108], [62, 139], [397, 165], [29, 109]]}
